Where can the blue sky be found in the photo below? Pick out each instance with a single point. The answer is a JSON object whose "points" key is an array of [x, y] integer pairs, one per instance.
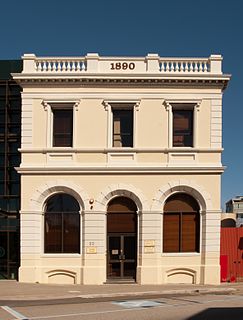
{"points": [[135, 28]]}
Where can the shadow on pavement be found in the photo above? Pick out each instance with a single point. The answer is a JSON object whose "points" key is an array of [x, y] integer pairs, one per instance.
{"points": [[219, 313]]}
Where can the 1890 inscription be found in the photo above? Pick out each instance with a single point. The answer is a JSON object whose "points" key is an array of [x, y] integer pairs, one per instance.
{"points": [[122, 66]]}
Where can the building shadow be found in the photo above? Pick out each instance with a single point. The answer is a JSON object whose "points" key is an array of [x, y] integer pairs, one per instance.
{"points": [[218, 313]]}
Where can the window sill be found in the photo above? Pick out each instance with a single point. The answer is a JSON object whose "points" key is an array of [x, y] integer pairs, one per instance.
{"points": [[60, 149], [180, 254], [120, 149], [60, 255]]}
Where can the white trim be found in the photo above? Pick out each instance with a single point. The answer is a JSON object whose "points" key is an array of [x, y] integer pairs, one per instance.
{"points": [[121, 189], [118, 169], [61, 255], [188, 186], [128, 104], [180, 254], [51, 187], [195, 105], [49, 105], [106, 150]]}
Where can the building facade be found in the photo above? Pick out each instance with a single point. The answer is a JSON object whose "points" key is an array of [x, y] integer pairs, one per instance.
{"points": [[235, 206], [121, 169], [10, 138]]}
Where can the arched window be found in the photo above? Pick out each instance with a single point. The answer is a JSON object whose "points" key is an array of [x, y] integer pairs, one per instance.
{"points": [[62, 224], [181, 224]]}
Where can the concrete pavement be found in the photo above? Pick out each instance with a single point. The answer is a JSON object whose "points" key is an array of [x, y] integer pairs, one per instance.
{"points": [[15, 291]]}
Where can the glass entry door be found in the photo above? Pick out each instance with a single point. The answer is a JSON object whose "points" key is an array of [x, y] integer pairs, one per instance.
{"points": [[122, 256]]}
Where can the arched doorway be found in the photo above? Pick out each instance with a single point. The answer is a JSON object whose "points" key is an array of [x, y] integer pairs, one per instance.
{"points": [[181, 224], [121, 239]]}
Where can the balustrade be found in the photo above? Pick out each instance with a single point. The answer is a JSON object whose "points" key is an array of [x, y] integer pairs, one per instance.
{"points": [[184, 66], [60, 65], [93, 63]]}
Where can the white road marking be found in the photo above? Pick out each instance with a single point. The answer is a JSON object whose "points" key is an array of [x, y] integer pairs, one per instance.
{"points": [[14, 313], [138, 303], [87, 313]]}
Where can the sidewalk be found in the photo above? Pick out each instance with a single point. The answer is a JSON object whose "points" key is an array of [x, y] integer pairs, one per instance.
{"points": [[15, 291]]}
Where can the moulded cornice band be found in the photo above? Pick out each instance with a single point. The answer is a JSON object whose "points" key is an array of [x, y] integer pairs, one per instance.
{"points": [[120, 170], [124, 81], [119, 150]]}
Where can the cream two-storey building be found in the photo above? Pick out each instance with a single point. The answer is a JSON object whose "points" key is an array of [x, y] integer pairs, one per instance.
{"points": [[121, 169]]}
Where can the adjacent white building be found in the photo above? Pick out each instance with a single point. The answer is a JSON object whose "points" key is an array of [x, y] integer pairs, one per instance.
{"points": [[121, 169], [235, 206]]}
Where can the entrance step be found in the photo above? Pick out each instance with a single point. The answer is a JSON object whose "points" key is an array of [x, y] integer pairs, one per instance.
{"points": [[120, 281]]}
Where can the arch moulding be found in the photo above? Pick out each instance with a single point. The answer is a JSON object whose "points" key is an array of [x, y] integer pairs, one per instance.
{"points": [[187, 186], [120, 190], [51, 187]]}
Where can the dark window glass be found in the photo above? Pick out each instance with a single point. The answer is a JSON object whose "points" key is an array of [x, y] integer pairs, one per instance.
{"points": [[2, 116], [62, 128], [14, 129], [1, 188], [13, 203], [182, 128], [62, 224], [13, 146], [181, 224], [13, 188], [14, 160], [122, 128]]}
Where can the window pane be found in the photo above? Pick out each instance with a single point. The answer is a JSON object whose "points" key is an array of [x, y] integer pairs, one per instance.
{"points": [[53, 233], [182, 128], [71, 233], [171, 232], [122, 128], [190, 233], [62, 128]]}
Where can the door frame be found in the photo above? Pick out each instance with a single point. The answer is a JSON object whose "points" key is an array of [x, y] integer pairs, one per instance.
{"points": [[121, 235]]}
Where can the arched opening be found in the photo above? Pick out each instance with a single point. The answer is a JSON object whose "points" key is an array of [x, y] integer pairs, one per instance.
{"points": [[62, 224], [121, 239], [181, 224], [228, 223]]}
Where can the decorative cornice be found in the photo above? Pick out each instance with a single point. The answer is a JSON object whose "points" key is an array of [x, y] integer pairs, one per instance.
{"points": [[121, 170], [110, 102], [169, 103], [220, 82], [47, 103]]}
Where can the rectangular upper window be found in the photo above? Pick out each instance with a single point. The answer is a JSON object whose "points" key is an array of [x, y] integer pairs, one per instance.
{"points": [[182, 128], [62, 127], [122, 127]]}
